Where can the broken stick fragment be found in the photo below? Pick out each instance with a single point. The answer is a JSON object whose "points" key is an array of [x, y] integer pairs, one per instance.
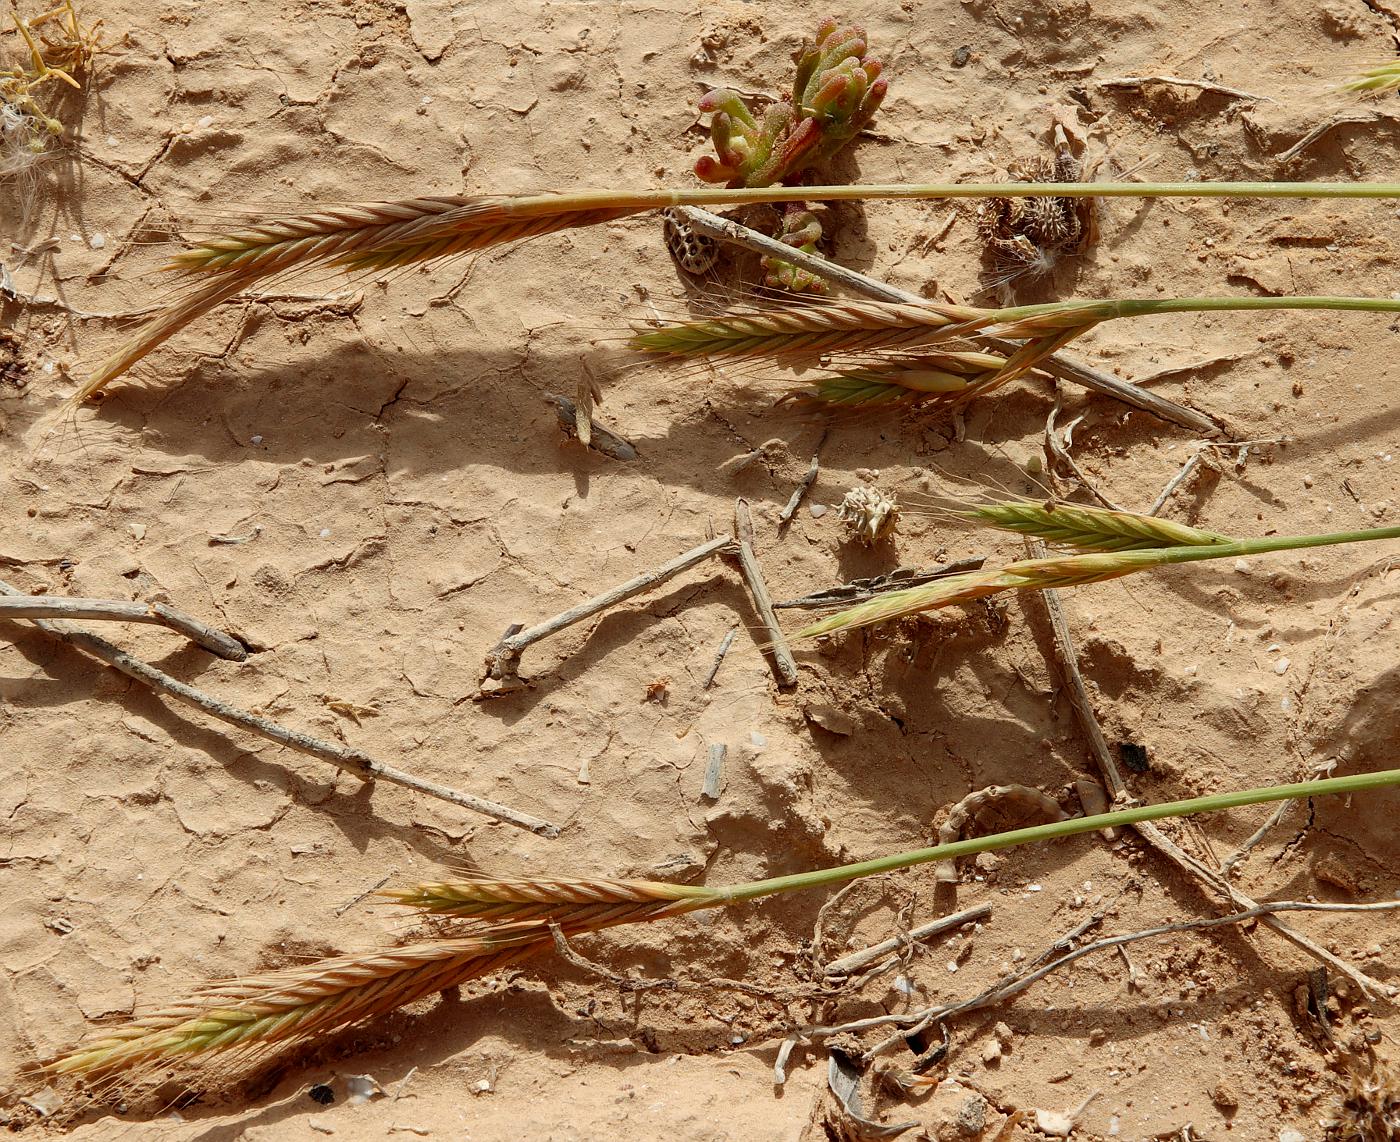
{"points": [[503, 660], [783, 662]]}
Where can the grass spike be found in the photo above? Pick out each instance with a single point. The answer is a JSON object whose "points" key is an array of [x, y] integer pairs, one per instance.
{"points": [[1088, 528], [1065, 571], [378, 236], [256, 1015]]}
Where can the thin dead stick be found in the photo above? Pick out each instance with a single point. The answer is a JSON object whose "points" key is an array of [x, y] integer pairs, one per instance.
{"points": [[859, 590], [1176, 481], [216, 642], [503, 660], [1136, 82], [1058, 365], [1149, 831], [1068, 662], [724, 646], [349, 904], [349, 760], [1009, 986], [849, 965], [1323, 128], [783, 662], [803, 486], [1321, 769], [1060, 453]]}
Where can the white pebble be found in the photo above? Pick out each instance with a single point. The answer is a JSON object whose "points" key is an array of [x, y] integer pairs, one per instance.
{"points": [[818, 510], [1281, 666], [952, 965], [1190, 671], [1287, 704], [1033, 888], [111, 140], [1291, 1136], [325, 533], [1242, 566], [205, 122], [97, 241], [255, 439]]}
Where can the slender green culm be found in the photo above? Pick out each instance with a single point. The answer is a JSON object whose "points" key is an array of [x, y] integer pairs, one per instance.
{"points": [[1212, 803]]}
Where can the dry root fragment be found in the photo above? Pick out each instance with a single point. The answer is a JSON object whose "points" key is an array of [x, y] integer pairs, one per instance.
{"points": [[869, 513]]}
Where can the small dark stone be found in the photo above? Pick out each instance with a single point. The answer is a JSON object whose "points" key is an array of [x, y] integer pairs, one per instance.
{"points": [[1134, 756], [321, 1093], [961, 56]]}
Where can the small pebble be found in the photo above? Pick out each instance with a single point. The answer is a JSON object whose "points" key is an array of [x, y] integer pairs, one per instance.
{"points": [[1242, 566], [1281, 666], [97, 241], [325, 533], [255, 439], [818, 510]]}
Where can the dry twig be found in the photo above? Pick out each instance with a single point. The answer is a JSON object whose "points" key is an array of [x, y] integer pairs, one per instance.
{"points": [[1150, 832], [783, 662], [346, 758], [856, 961], [216, 642], [503, 660], [1137, 82]]}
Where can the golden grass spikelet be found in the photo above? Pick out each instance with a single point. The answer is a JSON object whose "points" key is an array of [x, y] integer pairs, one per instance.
{"points": [[1069, 571], [259, 1014], [481, 898], [803, 332], [1088, 528], [370, 237], [1036, 574], [256, 1014], [916, 377]]}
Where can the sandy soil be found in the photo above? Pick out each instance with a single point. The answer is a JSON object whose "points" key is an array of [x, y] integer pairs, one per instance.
{"points": [[408, 495]]}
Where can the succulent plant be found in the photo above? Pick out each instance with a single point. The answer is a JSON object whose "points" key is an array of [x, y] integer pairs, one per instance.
{"points": [[800, 229], [835, 94]]}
